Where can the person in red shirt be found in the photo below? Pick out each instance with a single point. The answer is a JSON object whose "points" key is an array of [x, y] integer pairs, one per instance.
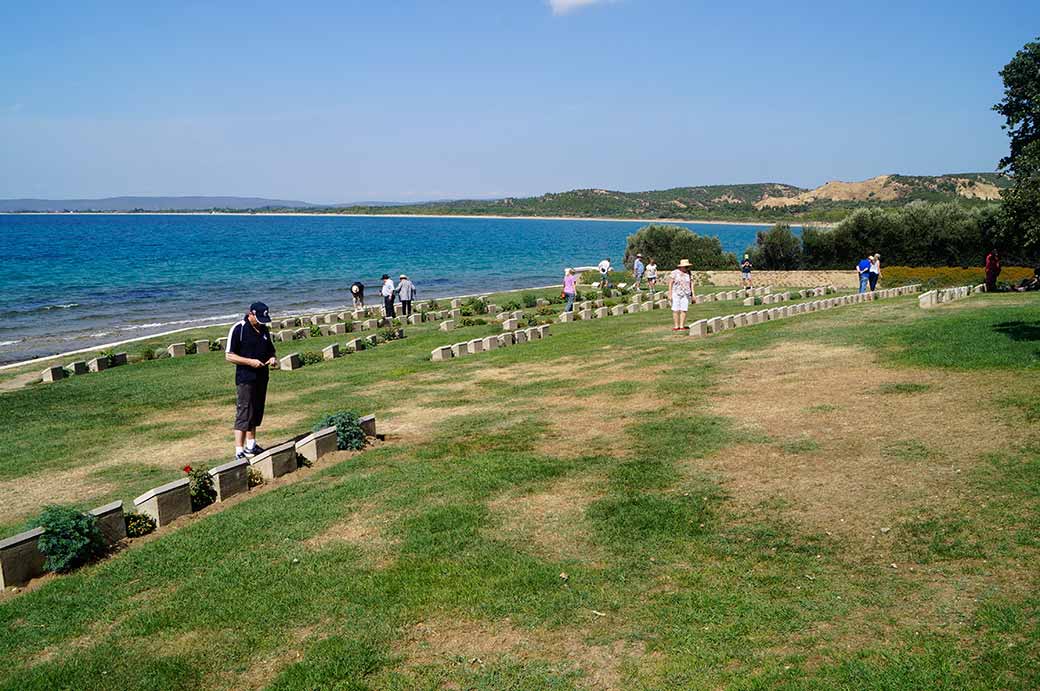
{"points": [[992, 271]]}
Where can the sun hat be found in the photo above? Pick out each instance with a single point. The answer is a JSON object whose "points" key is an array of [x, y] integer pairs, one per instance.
{"points": [[259, 309], [684, 262], [639, 255], [403, 276]]}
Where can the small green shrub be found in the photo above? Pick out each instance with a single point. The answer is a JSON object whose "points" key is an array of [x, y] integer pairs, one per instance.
{"points": [[70, 538], [138, 524], [466, 311], [349, 434], [190, 349], [315, 331], [510, 306], [255, 478], [311, 357], [471, 321], [475, 306], [146, 354], [214, 346], [529, 299], [555, 299], [545, 310], [200, 487]]}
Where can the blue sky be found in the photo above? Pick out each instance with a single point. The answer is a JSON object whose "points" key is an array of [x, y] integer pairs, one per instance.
{"points": [[343, 101]]}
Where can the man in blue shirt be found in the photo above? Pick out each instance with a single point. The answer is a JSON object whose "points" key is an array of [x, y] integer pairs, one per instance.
{"points": [[863, 269], [638, 268]]}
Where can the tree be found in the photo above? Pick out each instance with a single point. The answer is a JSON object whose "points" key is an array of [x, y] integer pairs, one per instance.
{"points": [[668, 244], [1021, 110], [777, 249]]}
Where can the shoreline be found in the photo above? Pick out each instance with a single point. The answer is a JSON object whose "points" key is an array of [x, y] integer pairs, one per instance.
{"points": [[138, 339], [452, 216]]}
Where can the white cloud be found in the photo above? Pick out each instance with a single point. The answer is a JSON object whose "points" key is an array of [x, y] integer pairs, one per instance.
{"points": [[565, 6]]}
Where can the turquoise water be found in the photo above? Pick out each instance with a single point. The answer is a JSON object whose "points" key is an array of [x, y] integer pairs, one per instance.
{"points": [[70, 281]]}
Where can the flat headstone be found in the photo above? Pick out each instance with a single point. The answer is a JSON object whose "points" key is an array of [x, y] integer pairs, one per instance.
{"points": [[372, 339], [78, 367], [632, 308], [456, 303], [533, 334], [330, 352], [230, 478], [98, 364], [277, 461], [20, 559], [460, 349], [519, 337], [646, 307], [699, 328], [506, 339], [489, 343], [291, 362], [166, 502], [441, 354], [447, 325], [617, 310], [317, 444], [415, 319], [585, 315], [602, 313], [370, 324], [567, 317], [714, 325], [368, 425], [338, 329], [120, 359], [475, 346], [354, 345], [510, 324], [202, 346], [543, 330], [110, 521]]}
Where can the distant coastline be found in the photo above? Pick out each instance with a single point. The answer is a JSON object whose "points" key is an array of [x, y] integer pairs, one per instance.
{"points": [[764, 224]]}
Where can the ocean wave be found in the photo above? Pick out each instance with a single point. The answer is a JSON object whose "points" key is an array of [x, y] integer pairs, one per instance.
{"points": [[179, 322], [7, 343], [37, 310]]}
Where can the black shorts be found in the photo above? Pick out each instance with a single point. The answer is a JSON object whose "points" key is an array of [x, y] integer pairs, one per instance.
{"points": [[249, 411]]}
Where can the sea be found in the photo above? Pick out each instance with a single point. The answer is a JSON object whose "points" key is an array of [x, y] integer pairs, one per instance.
{"points": [[71, 281]]}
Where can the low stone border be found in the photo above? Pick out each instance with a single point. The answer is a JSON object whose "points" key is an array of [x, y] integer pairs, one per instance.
{"points": [[934, 298], [708, 327], [20, 557]]}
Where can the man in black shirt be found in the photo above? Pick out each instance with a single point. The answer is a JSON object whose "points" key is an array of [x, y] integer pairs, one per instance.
{"points": [[249, 346]]}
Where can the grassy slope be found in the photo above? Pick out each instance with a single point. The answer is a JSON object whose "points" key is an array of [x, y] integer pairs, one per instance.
{"points": [[697, 590]]}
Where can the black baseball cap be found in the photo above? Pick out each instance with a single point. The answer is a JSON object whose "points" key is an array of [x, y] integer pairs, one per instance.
{"points": [[263, 315]]}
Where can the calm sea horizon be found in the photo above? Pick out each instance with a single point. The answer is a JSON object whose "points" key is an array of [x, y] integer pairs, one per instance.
{"points": [[72, 281]]}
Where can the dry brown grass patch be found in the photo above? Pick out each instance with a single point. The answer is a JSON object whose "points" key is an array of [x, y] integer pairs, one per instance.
{"points": [[829, 395], [479, 642], [364, 529], [550, 522]]}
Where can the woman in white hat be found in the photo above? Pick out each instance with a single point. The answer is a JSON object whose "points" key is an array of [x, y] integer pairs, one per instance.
{"points": [[680, 292]]}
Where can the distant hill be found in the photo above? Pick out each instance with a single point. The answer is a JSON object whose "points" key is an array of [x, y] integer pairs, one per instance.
{"points": [[758, 201], [149, 204]]}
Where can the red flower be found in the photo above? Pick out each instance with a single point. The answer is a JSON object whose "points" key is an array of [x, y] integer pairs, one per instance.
{"points": [[187, 469]]}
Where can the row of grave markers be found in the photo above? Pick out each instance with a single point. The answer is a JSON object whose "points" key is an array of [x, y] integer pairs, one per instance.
{"points": [[715, 325], [481, 345], [933, 298], [21, 559]]}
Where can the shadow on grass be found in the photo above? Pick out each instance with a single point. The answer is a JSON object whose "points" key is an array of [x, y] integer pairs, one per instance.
{"points": [[1019, 330]]}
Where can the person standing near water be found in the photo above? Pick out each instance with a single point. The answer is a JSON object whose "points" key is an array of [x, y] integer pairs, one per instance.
{"points": [[745, 271], [992, 271], [680, 292], [875, 271], [863, 269], [570, 289], [250, 348], [604, 274], [406, 292], [637, 269], [387, 292], [357, 291], [651, 275]]}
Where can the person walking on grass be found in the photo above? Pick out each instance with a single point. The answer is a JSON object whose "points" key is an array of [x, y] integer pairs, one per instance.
{"points": [[570, 288], [745, 272], [680, 293], [638, 268], [250, 348], [388, 292], [875, 271], [406, 292], [992, 271], [357, 291], [604, 275], [863, 270], [651, 275]]}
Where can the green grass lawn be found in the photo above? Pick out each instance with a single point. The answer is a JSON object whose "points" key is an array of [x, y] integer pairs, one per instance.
{"points": [[613, 507]]}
